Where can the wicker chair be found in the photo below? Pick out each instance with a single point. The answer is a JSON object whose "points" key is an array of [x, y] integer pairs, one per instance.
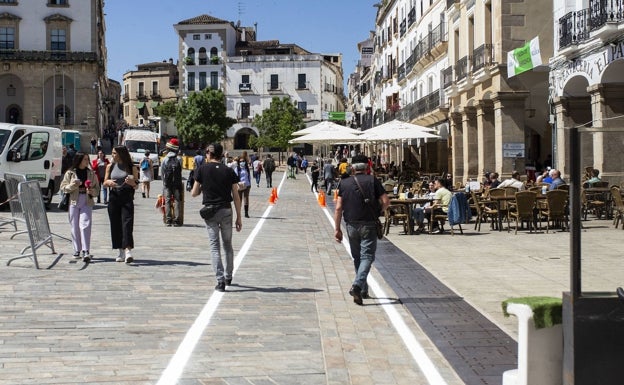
{"points": [[590, 203], [618, 206], [484, 211], [503, 207], [524, 209], [555, 211], [396, 214]]}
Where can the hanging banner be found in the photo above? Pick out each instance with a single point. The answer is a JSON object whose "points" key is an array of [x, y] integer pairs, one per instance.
{"points": [[524, 58], [336, 115]]}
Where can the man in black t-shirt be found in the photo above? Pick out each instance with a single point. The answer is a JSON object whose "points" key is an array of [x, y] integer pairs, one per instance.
{"points": [[361, 199], [218, 185]]}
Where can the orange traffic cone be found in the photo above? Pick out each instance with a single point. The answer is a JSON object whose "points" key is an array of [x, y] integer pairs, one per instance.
{"points": [[322, 199], [274, 192], [272, 198], [335, 195]]}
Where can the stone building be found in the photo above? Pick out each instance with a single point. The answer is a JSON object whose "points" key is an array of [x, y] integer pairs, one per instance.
{"points": [[53, 65], [587, 84], [146, 88]]}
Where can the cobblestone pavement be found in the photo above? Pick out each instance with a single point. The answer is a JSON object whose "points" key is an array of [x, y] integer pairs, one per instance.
{"points": [[287, 318]]}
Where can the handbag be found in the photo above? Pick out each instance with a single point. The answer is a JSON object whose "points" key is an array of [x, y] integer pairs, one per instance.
{"points": [[63, 205], [368, 201], [242, 186]]}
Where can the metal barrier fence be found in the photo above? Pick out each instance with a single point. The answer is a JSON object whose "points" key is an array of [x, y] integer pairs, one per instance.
{"points": [[36, 220], [11, 182]]}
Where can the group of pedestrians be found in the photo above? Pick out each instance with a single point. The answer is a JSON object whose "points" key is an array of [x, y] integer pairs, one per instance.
{"points": [[83, 185]]}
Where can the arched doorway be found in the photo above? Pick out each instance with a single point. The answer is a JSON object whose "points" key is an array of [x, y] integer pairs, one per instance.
{"points": [[241, 139], [14, 114]]}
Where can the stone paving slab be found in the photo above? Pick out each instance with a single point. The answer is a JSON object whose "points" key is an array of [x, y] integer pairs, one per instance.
{"points": [[287, 319]]}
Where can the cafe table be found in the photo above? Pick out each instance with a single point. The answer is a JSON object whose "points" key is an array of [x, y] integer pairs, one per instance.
{"points": [[409, 203]]}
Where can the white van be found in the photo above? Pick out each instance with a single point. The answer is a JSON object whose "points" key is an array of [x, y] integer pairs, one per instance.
{"points": [[34, 151], [139, 140]]}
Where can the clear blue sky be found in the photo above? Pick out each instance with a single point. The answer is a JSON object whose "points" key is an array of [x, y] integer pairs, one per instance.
{"points": [[141, 31]]}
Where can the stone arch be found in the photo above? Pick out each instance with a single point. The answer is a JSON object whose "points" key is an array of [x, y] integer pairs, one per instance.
{"points": [[203, 57], [14, 114], [613, 72], [575, 86], [241, 137]]}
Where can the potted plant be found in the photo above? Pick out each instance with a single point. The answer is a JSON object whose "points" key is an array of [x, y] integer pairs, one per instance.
{"points": [[188, 60], [214, 60]]}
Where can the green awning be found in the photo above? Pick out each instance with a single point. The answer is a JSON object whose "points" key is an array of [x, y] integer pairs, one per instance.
{"points": [[140, 105], [154, 104]]}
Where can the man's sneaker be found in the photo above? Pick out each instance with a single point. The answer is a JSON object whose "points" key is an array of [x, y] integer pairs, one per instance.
{"points": [[437, 231], [228, 281], [77, 255], [86, 256], [356, 293], [220, 286], [365, 295], [128, 258], [121, 257]]}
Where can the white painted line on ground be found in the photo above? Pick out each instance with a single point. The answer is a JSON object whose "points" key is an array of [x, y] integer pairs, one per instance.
{"points": [[175, 368], [415, 348]]}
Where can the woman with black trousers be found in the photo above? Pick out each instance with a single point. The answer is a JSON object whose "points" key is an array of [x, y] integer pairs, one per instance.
{"points": [[121, 178]]}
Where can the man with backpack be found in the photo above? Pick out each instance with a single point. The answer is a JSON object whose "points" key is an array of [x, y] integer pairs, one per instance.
{"points": [[172, 183], [269, 166]]}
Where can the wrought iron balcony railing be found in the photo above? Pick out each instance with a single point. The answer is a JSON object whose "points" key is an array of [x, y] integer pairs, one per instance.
{"points": [[13, 54], [447, 77], [482, 56], [461, 68], [575, 27]]}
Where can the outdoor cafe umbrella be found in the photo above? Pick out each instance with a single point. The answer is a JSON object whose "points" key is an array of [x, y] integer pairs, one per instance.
{"points": [[327, 136], [325, 125], [396, 134]]}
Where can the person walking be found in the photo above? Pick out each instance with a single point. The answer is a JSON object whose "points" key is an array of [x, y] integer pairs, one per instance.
{"points": [[172, 183], [242, 170], [98, 165], [314, 170], [361, 199], [146, 174], [121, 178], [269, 167], [257, 170], [218, 185], [81, 183], [329, 173], [93, 143]]}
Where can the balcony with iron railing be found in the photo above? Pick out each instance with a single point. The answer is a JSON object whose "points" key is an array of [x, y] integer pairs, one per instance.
{"points": [[244, 87], [141, 95], [575, 27], [14, 54], [461, 68], [482, 56], [302, 85], [401, 72], [126, 97], [155, 94], [403, 28]]}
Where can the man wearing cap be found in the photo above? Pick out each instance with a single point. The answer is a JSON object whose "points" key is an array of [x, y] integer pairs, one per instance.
{"points": [[361, 200], [218, 185], [172, 183]]}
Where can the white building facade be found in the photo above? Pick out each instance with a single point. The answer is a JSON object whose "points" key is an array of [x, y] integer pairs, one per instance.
{"points": [[587, 83], [221, 55]]}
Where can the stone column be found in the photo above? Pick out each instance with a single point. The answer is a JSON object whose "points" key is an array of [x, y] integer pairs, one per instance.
{"points": [[596, 93], [486, 136], [471, 153], [570, 112], [457, 140], [509, 128]]}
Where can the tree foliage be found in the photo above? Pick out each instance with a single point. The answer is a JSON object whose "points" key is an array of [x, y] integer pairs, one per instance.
{"points": [[167, 110], [201, 117], [277, 123]]}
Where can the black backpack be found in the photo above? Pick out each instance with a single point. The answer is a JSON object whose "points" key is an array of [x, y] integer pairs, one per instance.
{"points": [[172, 173]]}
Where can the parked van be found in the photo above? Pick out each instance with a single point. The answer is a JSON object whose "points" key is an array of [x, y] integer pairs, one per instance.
{"points": [[139, 140], [34, 151]]}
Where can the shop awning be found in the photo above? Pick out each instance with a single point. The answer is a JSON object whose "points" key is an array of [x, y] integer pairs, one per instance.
{"points": [[154, 104], [140, 105]]}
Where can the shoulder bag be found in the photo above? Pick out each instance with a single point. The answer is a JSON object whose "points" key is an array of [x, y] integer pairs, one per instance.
{"points": [[369, 204], [63, 205]]}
